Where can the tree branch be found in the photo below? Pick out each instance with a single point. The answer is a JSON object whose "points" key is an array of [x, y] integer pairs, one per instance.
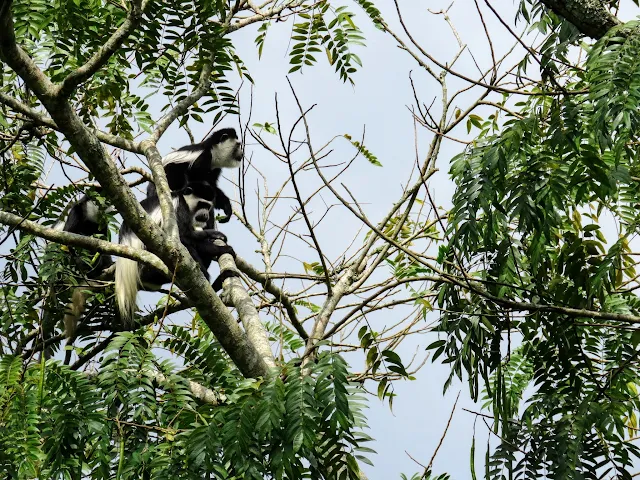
{"points": [[280, 295], [42, 119], [591, 17], [246, 310], [75, 240], [162, 188], [472, 285], [102, 56], [199, 391], [204, 84], [274, 11]]}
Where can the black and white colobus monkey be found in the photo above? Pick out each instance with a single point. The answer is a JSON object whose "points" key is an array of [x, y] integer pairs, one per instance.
{"points": [[84, 218], [204, 161], [193, 206]]}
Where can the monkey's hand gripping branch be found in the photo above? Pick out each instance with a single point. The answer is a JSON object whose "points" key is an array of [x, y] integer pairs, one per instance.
{"points": [[239, 297]]}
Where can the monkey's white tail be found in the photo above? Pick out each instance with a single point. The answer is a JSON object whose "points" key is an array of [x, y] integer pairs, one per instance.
{"points": [[127, 280]]}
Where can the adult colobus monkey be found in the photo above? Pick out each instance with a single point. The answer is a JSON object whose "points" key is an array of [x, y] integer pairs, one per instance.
{"points": [[84, 218], [192, 205], [204, 161]]}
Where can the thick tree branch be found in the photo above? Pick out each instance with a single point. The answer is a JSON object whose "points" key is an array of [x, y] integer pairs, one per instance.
{"points": [[246, 310], [162, 188], [591, 17]]}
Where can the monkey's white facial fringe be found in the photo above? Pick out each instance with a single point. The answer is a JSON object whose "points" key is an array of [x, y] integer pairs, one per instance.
{"points": [[199, 209], [227, 154]]}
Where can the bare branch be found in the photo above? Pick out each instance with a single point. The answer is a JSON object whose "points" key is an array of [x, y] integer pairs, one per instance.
{"points": [[303, 210], [280, 295], [75, 240], [246, 310]]}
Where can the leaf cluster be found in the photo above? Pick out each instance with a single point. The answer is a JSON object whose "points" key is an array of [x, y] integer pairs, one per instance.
{"points": [[138, 418], [529, 227]]}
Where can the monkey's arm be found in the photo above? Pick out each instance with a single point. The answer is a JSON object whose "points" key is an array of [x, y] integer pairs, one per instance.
{"points": [[207, 234], [223, 203], [207, 248], [202, 241], [217, 283]]}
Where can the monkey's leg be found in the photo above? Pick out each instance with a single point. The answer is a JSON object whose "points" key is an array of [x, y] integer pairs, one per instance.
{"points": [[224, 274]]}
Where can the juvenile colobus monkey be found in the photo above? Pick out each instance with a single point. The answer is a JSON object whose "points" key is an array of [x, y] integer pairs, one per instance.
{"points": [[193, 205], [204, 161], [83, 218]]}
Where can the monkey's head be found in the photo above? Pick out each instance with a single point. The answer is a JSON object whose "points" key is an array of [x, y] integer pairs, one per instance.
{"points": [[199, 196], [226, 149]]}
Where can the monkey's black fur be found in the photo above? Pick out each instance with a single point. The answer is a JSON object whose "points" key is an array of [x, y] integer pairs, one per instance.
{"points": [[204, 161], [84, 219], [193, 205]]}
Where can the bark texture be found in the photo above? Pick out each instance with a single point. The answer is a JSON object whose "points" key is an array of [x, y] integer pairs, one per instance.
{"points": [[591, 17]]}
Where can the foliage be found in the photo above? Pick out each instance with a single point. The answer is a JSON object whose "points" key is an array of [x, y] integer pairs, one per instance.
{"points": [[533, 197], [130, 422], [337, 36]]}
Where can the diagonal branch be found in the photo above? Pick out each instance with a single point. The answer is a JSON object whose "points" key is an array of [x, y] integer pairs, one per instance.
{"points": [[75, 240], [246, 310], [102, 56], [42, 119], [204, 84], [162, 188], [302, 203], [280, 295]]}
